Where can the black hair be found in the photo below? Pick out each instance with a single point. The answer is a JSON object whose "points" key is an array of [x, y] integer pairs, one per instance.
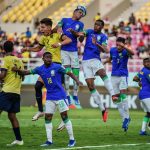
{"points": [[47, 21], [46, 53], [121, 39], [101, 21], [8, 46], [146, 59]]}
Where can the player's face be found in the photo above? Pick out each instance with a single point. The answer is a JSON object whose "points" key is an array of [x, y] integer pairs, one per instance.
{"points": [[147, 63], [47, 59], [78, 14], [98, 26], [45, 30], [119, 47]]}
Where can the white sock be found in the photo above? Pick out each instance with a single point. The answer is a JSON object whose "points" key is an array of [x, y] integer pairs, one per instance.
{"points": [[97, 99], [144, 124], [126, 108], [69, 128], [75, 89], [123, 109], [120, 109], [49, 128], [67, 83], [108, 86]]}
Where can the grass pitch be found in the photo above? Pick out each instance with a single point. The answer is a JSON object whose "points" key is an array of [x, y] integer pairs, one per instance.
{"points": [[89, 130]]}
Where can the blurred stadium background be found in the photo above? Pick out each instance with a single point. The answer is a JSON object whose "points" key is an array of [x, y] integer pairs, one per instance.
{"points": [[19, 22]]}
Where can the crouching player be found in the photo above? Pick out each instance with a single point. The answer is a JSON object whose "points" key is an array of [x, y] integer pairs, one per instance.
{"points": [[143, 77], [51, 74]]}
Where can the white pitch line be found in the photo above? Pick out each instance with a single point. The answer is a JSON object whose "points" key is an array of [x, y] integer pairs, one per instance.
{"points": [[100, 146]]}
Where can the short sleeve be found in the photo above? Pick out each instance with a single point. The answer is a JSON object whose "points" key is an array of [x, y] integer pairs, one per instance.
{"points": [[86, 32], [35, 70], [41, 41], [62, 70], [148, 76], [81, 27]]}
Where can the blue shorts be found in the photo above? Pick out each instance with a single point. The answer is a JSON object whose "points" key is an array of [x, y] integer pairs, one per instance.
{"points": [[10, 102]]}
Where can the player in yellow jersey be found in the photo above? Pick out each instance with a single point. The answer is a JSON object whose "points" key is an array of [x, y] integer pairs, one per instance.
{"points": [[10, 94], [52, 43]]}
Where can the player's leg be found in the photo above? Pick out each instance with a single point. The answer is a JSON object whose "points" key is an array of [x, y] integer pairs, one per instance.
{"points": [[38, 93], [96, 96], [75, 71], [100, 71], [66, 63], [89, 75], [124, 102], [63, 108], [14, 103], [146, 119], [50, 108], [16, 129]]}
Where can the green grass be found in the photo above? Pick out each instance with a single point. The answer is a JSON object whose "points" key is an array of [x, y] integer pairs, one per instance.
{"points": [[89, 130]]}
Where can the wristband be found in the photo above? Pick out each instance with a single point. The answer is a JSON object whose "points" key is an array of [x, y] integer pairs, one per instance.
{"points": [[59, 44]]}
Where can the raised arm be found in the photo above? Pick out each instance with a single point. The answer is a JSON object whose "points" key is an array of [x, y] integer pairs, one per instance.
{"points": [[102, 47]]}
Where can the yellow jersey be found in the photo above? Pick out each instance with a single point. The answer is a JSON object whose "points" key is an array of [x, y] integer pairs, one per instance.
{"points": [[12, 81], [47, 41]]}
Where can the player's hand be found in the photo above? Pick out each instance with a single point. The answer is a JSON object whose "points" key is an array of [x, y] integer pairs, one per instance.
{"points": [[121, 44], [140, 84], [24, 49], [79, 83], [70, 29], [56, 45], [15, 69]]}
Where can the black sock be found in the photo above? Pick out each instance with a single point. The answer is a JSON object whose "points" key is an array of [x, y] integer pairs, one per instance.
{"points": [[38, 92], [17, 134]]}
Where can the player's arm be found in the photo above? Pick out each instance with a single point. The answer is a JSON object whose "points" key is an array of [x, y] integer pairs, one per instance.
{"points": [[3, 73], [24, 72], [108, 60], [64, 41], [63, 71], [102, 47], [137, 79], [58, 26], [33, 49], [74, 78], [130, 51]]}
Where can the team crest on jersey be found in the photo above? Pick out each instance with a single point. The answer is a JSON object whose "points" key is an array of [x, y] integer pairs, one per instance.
{"points": [[98, 38], [76, 27], [52, 72]]}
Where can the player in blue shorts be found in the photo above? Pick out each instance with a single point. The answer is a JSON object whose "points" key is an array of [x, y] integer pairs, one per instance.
{"points": [[119, 56], [51, 74], [69, 52], [10, 94], [143, 77]]}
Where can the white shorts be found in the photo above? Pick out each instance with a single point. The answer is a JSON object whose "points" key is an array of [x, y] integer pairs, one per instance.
{"points": [[51, 106], [146, 104], [119, 83], [90, 67], [70, 58]]}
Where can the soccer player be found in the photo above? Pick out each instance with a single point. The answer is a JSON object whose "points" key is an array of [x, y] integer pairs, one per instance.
{"points": [[52, 43], [51, 74], [96, 42], [143, 77], [69, 52], [119, 56], [10, 95]]}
